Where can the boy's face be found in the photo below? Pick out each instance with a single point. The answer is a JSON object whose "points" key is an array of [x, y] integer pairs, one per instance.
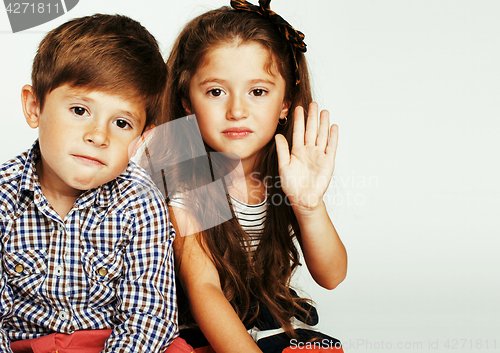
{"points": [[84, 137]]}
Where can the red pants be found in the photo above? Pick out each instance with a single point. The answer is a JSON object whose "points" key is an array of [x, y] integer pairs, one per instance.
{"points": [[92, 341], [88, 341]]}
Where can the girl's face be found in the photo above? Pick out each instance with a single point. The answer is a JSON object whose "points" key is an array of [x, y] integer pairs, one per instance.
{"points": [[237, 100]]}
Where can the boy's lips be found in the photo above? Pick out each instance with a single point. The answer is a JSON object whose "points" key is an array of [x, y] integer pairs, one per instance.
{"points": [[88, 159], [237, 132]]}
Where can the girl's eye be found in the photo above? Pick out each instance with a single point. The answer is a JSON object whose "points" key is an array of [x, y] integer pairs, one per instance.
{"points": [[122, 124], [79, 111], [215, 92], [258, 92]]}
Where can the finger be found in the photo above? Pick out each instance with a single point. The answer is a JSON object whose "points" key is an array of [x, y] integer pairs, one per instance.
{"points": [[331, 149], [312, 125], [298, 127], [324, 123], [282, 151]]}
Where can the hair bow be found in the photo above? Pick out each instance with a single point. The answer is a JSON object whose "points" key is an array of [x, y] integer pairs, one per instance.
{"points": [[294, 38]]}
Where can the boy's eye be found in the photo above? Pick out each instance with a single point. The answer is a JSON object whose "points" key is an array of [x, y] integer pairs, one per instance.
{"points": [[79, 110], [215, 92], [258, 92], [122, 124]]}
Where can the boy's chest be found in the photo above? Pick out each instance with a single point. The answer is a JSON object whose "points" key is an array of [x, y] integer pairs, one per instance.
{"points": [[82, 231], [52, 259]]}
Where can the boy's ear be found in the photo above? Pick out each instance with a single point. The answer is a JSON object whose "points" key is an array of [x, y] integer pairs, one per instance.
{"points": [[31, 108], [140, 140], [186, 106], [149, 127], [284, 109]]}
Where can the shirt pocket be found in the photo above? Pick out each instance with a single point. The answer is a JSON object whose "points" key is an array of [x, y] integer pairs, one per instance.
{"points": [[26, 272], [103, 273]]}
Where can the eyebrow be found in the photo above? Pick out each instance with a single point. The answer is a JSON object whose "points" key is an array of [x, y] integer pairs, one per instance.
{"points": [[127, 113], [78, 96], [253, 82], [269, 82], [211, 80]]}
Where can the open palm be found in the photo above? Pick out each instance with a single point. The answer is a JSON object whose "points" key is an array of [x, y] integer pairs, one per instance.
{"points": [[306, 172]]}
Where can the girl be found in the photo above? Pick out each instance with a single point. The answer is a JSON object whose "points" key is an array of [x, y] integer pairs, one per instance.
{"points": [[242, 72]]}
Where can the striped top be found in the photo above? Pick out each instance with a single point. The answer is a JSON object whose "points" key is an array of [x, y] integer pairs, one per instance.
{"points": [[252, 219]]}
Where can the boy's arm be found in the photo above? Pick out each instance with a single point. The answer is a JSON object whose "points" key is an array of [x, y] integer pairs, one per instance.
{"points": [[146, 307], [212, 311], [5, 300], [6, 303]]}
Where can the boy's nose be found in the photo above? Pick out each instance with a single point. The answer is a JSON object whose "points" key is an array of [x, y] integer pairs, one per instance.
{"points": [[237, 109], [97, 135]]}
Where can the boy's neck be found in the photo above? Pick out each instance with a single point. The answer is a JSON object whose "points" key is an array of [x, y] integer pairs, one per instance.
{"points": [[61, 200]]}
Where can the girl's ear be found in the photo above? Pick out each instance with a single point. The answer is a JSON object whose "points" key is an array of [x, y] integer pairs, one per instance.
{"points": [[31, 108], [284, 109], [186, 106]]}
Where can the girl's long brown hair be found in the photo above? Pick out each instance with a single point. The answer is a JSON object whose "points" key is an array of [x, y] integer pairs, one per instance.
{"points": [[264, 279]]}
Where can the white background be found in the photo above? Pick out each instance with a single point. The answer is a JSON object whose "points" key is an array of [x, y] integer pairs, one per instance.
{"points": [[414, 86]]}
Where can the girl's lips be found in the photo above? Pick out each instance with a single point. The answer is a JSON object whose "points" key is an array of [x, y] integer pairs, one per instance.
{"points": [[237, 132], [88, 160]]}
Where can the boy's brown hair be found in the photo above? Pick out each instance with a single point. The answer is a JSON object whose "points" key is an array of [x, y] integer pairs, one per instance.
{"points": [[109, 53]]}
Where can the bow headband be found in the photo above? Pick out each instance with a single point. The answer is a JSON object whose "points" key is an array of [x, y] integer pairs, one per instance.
{"points": [[294, 38]]}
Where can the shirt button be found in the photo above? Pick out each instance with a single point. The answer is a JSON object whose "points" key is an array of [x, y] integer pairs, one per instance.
{"points": [[19, 268], [102, 272], [60, 227], [63, 315], [59, 270]]}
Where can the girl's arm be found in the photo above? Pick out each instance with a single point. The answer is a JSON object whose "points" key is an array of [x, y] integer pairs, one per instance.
{"points": [[211, 310], [325, 255], [305, 175]]}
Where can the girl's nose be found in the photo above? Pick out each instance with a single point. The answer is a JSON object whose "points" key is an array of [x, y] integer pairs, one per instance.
{"points": [[97, 135], [238, 109]]}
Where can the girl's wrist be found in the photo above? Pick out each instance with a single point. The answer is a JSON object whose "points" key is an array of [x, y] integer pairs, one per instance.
{"points": [[309, 211]]}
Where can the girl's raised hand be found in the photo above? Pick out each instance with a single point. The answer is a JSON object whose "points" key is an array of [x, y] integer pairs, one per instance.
{"points": [[306, 172]]}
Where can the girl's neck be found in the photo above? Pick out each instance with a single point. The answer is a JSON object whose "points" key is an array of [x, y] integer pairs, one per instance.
{"points": [[245, 185]]}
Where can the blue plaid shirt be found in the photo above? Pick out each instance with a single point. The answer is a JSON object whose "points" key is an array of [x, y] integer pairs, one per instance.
{"points": [[106, 265]]}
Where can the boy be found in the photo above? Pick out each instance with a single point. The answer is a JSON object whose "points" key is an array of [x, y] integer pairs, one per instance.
{"points": [[85, 238]]}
